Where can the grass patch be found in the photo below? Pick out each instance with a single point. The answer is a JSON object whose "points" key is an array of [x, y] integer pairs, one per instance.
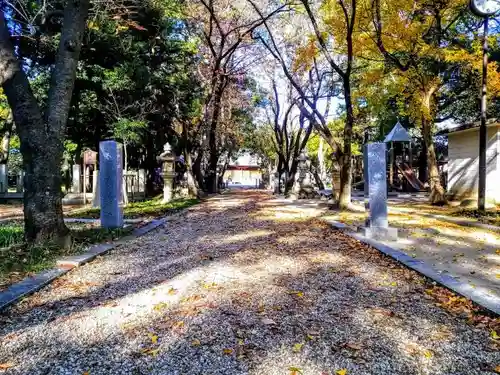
{"points": [[147, 209], [18, 260], [11, 233]]}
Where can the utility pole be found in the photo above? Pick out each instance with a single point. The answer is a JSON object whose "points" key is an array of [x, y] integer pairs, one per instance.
{"points": [[483, 131], [484, 9]]}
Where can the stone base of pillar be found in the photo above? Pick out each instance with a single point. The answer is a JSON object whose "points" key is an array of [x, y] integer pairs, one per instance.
{"points": [[379, 233]]}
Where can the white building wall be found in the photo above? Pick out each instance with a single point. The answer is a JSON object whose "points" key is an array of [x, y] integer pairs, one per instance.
{"points": [[463, 167], [247, 178]]}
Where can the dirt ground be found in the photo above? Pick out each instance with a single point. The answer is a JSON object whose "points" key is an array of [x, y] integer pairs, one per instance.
{"points": [[245, 284], [15, 211]]}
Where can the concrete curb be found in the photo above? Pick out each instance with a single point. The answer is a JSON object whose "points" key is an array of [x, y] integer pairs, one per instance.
{"points": [[33, 284], [489, 302]]}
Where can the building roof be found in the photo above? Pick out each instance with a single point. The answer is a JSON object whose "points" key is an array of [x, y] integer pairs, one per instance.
{"points": [[469, 126], [398, 134]]}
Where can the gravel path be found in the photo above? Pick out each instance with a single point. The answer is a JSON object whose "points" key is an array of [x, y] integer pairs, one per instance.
{"points": [[241, 284]]}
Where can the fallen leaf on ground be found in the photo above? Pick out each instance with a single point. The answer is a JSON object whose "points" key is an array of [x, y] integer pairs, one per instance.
{"points": [[494, 335], [354, 346], [261, 308], [228, 351], [428, 354], [268, 321], [298, 347], [172, 291], [195, 342], [209, 285], [497, 369], [5, 366], [295, 370], [160, 306], [341, 371], [151, 352], [382, 311], [298, 293], [154, 338]]}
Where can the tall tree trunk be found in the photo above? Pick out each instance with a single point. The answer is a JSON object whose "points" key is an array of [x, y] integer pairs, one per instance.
{"points": [[289, 183], [213, 158], [290, 177], [437, 193], [197, 170], [422, 162], [222, 171], [125, 157], [346, 165], [321, 159], [42, 136], [192, 188], [315, 170]]}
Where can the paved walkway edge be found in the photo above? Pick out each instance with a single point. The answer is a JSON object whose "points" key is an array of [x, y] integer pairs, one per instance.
{"points": [[33, 284], [489, 302]]}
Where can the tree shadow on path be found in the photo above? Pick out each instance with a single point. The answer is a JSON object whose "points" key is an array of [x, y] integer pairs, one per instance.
{"points": [[240, 289]]}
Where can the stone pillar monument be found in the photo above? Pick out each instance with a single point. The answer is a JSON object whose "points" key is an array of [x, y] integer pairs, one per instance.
{"points": [[167, 158], [76, 179], [20, 182], [96, 191], [375, 167], [110, 183], [4, 182]]}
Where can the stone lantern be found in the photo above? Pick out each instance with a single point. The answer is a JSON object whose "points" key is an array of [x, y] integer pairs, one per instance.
{"points": [[303, 168], [167, 157], [303, 187]]}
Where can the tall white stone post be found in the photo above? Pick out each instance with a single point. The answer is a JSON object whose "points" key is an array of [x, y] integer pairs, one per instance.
{"points": [[375, 171], [76, 179]]}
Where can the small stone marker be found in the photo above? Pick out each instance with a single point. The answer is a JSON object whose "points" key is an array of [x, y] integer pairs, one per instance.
{"points": [[76, 179], [377, 226], [20, 182], [110, 183], [4, 183], [96, 199], [141, 179]]}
